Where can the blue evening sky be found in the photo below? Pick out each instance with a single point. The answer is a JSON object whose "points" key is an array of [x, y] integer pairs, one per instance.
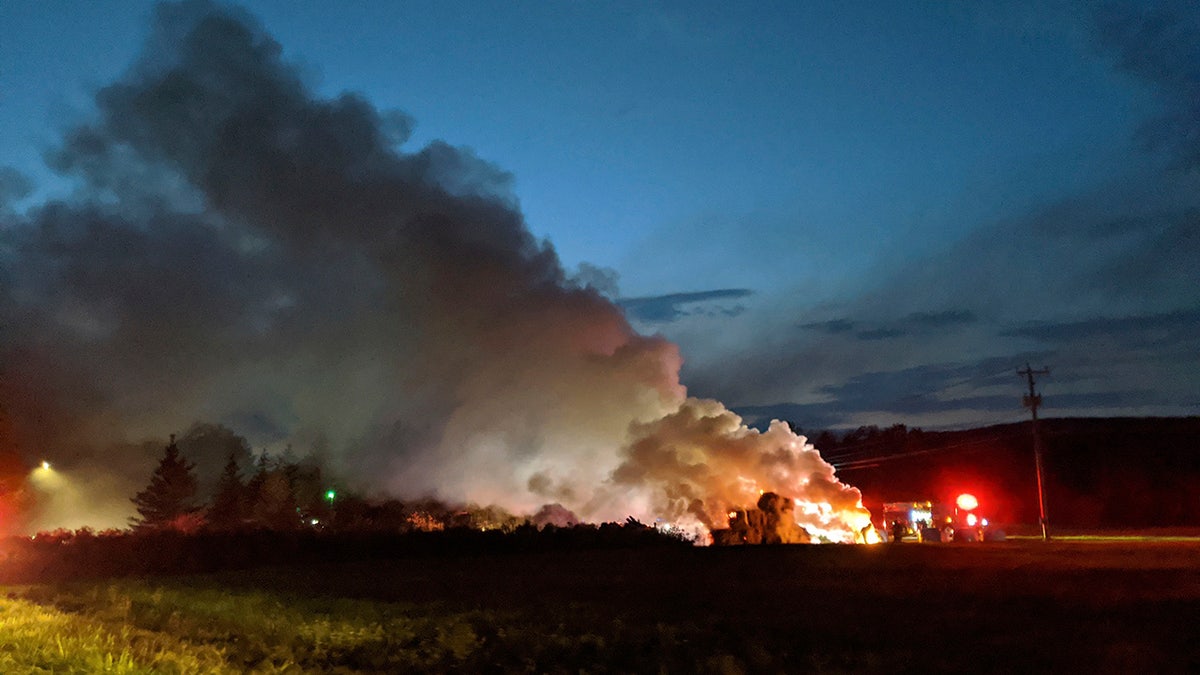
{"points": [[838, 207]]}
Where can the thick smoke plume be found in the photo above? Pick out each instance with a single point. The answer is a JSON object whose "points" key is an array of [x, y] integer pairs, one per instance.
{"points": [[701, 461], [242, 252]]}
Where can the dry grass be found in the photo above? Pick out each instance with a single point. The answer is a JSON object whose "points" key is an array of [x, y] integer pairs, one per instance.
{"points": [[1126, 606]]}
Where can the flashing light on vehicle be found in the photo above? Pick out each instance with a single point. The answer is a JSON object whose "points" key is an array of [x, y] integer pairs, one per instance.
{"points": [[983, 522], [967, 502], [971, 520]]}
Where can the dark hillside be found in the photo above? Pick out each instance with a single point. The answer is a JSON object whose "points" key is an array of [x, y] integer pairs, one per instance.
{"points": [[1100, 472]]}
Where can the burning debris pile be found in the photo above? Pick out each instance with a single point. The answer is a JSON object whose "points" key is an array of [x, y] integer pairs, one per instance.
{"points": [[772, 522], [695, 465]]}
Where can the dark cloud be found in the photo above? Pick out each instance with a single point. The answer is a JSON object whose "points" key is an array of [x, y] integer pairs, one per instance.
{"points": [[879, 334], [914, 322], [14, 186], [930, 388], [673, 306], [905, 393], [1171, 327], [1159, 42], [943, 319], [833, 326], [1164, 254]]}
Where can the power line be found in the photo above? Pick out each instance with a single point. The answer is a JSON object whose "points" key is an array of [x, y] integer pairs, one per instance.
{"points": [[875, 461], [955, 383], [846, 453]]}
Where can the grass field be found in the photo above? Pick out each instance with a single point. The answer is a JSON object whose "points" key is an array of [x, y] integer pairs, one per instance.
{"points": [[1112, 606]]}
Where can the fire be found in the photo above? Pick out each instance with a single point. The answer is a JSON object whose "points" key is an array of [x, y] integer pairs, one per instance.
{"points": [[701, 466]]}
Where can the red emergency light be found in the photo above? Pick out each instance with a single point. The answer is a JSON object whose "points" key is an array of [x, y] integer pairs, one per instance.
{"points": [[966, 502]]}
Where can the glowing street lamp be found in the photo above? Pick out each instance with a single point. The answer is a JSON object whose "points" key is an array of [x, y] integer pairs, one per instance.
{"points": [[45, 478], [330, 495]]}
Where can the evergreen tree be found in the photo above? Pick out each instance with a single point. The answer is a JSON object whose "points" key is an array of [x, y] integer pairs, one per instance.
{"points": [[275, 504], [229, 504], [261, 468], [168, 498], [270, 496]]}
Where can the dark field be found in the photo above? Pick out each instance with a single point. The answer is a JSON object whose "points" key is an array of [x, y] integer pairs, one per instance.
{"points": [[1125, 606]]}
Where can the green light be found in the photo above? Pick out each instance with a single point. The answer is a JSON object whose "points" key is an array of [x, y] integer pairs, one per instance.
{"points": [[331, 495]]}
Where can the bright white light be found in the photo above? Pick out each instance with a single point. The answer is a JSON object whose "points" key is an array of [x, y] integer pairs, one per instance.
{"points": [[971, 519], [314, 521], [967, 502], [45, 465]]}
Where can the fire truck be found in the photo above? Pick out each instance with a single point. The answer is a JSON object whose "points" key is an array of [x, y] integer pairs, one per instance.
{"points": [[929, 521]]}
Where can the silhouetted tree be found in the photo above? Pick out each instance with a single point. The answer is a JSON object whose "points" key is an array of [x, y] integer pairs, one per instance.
{"points": [[274, 505], [207, 446], [168, 500], [261, 468], [271, 496], [826, 441], [229, 506], [309, 488]]}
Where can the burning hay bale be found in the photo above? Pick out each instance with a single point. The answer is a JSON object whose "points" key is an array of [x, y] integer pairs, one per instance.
{"points": [[771, 522]]}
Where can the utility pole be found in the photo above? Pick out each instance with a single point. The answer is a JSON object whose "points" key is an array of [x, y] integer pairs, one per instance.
{"points": [[1032, 400]]}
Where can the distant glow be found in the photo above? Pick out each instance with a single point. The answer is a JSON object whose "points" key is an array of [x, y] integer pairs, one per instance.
{"points": [[971, 520], [984, 522], [331, 495], [45, 465], [314, 521], [967, 502]]}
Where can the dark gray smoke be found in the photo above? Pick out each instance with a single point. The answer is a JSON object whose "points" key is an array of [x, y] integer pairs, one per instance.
{"points": [[243, 252]]}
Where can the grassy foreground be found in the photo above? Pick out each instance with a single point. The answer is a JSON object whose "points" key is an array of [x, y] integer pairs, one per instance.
{"points": [[36, 639], [1020, 606], [191, 626]]}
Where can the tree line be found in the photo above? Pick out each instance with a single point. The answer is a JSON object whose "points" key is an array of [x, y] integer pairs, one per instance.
{"points": [[285, 494]]}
